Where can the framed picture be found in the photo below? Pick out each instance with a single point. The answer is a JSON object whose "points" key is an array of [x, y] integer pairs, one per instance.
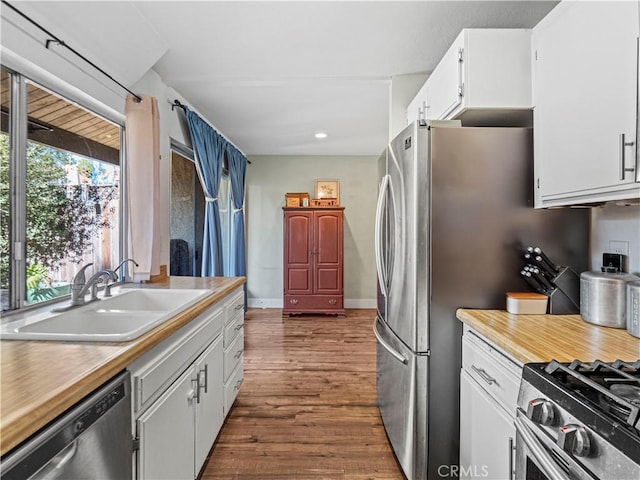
{"points": [[328, 189]]}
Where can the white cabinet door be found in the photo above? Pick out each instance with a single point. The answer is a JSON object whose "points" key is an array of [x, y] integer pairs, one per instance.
{"points": [[210, 408], [585, 70], [486, 434], [166, 433], [443, 94]]}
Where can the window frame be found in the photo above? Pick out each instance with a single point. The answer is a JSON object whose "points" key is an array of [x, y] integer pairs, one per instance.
{"points": [[18, 140]]}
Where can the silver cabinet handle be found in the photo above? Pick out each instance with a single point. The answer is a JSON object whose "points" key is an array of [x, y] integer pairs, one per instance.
{"points": [[239, 307], [204, 371], [238, 354], [239, 327], [623, 146], [293, 301], [397, 355], [484, 375], [238, 383], [196, 389], [333, 301], [512, 447]]}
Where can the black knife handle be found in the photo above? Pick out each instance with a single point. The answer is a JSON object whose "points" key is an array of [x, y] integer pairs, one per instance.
{"points": [[546, 259]]}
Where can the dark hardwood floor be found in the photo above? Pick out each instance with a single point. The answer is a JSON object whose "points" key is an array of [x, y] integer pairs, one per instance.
{"points": [[306, 409]]}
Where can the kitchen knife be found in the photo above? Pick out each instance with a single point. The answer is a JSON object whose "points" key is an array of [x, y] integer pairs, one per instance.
{"points": [[538, 276], [547, 269], [547, 260], [532, 281]]}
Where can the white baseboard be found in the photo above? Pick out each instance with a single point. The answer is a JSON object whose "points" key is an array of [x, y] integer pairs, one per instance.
{"points": [[277, 303], [264, 302], [360, 303]]}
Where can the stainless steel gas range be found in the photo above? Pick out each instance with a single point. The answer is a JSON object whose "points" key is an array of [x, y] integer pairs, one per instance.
{"points": [[579, 421]]}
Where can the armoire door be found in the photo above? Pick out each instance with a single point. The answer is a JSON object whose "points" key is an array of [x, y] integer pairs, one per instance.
{"points": [[298, 247], [327, 252]]}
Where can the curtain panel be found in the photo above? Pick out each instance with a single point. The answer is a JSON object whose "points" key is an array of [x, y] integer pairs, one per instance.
{"points": [[237, 173], [208, 147], [142, 130]]}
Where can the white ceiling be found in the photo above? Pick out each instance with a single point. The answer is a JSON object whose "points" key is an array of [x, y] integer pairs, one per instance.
{"points": [[270, 74]]}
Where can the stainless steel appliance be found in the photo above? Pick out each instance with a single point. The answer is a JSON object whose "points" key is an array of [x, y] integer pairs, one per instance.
{"points": [[603, 297], [92, 440], [454, 215], [579, 421]]}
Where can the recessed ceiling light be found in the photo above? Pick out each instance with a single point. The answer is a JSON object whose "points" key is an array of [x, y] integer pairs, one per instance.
{"points": [[320, 135]]}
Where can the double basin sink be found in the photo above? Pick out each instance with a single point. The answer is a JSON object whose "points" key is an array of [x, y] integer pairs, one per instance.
{"points": [[128, 314]]}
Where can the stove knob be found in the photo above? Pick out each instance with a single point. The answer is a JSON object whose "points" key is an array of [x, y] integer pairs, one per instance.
{"points": [[541, 411], [575, 440]]}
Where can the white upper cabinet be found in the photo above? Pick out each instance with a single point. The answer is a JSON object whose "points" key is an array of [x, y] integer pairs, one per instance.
{"points": [[585, 73], [485, 77]]}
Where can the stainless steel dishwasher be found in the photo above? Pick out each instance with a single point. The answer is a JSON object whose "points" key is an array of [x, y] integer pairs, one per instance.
{"points": [[92, 440]]}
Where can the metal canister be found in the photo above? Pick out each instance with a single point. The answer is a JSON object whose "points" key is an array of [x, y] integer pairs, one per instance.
{"points": [[633, 308], [603, 298]]}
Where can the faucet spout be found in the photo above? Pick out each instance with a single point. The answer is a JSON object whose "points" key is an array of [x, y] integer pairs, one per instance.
{"points": [[125, 261]]}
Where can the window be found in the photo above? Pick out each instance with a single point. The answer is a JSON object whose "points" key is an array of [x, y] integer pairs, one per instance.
{"points": [[61, 168]]}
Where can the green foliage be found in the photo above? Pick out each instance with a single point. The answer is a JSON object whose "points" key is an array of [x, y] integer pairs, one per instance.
{"points": [[61, 219]]}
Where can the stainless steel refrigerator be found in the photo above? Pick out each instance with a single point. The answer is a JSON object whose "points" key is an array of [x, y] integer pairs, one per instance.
{"points": [[454, 215]]}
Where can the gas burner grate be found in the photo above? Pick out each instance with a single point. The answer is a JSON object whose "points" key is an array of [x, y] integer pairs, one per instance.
{"points": [[620, 373]]}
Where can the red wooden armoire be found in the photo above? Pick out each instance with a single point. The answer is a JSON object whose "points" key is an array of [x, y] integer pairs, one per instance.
{"points": [[313, 271]]}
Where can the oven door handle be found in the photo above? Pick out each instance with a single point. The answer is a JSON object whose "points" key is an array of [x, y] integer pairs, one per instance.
{"points": [[535, 447]]}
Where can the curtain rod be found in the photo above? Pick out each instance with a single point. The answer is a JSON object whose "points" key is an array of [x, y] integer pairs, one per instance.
{"points": [[55, 39], [176, 103]]}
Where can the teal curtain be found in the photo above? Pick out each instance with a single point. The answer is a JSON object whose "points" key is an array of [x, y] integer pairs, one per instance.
{"points": [[208, 147]]}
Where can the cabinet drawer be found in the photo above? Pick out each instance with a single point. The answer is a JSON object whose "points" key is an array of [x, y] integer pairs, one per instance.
{"points": [[233, 355], [234, 305], [497, 374], [232, 329], [318, 303], [232, 387], [161, 365]]}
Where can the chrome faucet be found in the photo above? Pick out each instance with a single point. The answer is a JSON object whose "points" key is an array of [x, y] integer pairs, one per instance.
{"points": [[80, 285]]}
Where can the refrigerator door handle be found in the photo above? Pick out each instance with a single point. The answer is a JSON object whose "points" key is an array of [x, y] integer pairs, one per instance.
{"points": [[395, 354], [382, 274]]}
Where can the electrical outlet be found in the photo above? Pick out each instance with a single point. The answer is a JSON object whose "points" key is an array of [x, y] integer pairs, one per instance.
{"points": [[619, 246]]}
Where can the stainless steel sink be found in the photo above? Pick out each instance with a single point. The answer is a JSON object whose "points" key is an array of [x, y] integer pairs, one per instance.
{"points": [[125, 316]]}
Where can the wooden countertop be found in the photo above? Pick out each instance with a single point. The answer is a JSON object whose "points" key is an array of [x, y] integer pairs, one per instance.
{"points": [[542, 338], [39, 380]]}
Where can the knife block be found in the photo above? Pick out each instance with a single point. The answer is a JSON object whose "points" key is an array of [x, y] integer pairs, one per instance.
{"points": [[565, 298]]}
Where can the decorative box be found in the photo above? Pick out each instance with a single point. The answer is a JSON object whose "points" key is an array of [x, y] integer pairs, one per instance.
{"points": [[296, 199], [527, 303]]}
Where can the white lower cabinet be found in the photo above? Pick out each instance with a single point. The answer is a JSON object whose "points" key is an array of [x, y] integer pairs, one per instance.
{"points": [[166, 434], [489, 383], [181, 394], [209, 406]]}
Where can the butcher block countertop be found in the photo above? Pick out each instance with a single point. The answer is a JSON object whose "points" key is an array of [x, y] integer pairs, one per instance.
{"points": [[40, 380], [542, 338]]}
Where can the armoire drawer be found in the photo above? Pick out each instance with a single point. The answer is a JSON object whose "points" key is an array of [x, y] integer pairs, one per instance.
{"points": [[313, 302]]}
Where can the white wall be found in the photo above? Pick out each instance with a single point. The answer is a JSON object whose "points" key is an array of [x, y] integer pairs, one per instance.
{"points": [[617, 223], [402, 90], [268, 179]]}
